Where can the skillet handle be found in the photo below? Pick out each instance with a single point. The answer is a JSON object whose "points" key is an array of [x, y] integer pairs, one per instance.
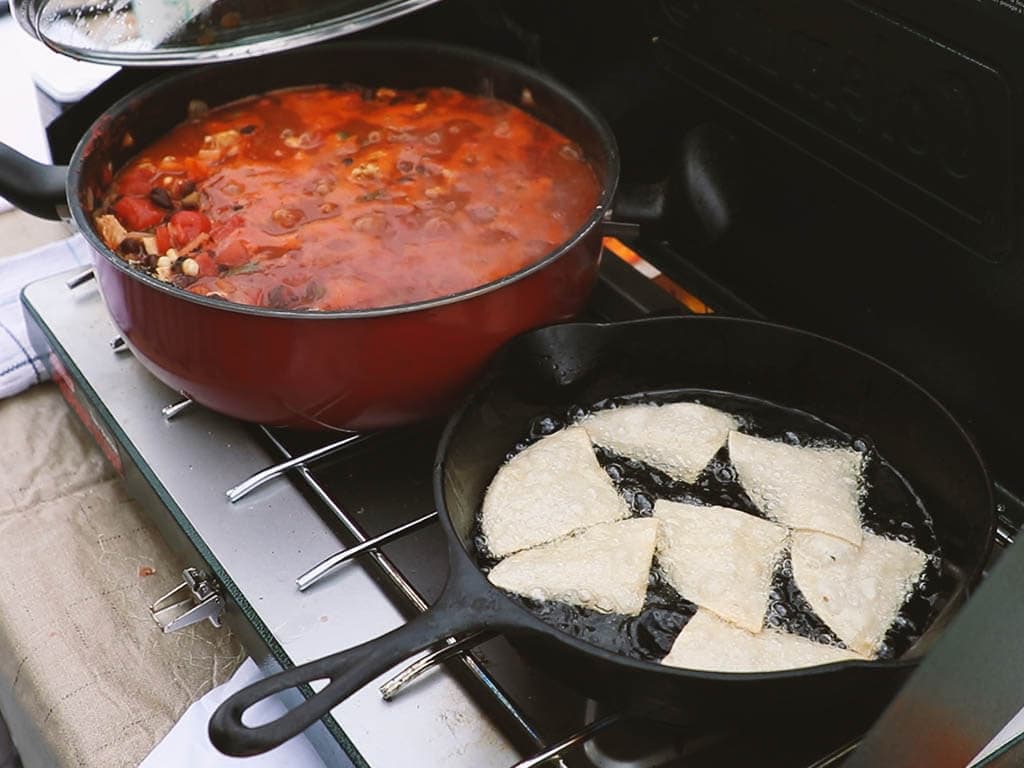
{"points": [[33, 187], [348, 671]]}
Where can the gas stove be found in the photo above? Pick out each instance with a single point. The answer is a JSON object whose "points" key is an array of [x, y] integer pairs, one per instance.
{"points": [[258, 510]]}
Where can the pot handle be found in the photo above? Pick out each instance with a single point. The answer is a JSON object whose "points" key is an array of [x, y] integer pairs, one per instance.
{"points": [[697, 202], [34, 187], [347, 671]]}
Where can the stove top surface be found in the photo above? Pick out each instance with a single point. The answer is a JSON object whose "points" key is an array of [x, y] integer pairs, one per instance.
{"points": [[481, 705]]}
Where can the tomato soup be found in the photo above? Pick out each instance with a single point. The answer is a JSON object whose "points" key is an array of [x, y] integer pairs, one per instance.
{"points": [[328, 198]]}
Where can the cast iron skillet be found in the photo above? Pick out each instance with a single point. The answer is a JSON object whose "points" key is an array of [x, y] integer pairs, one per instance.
{"points": [[548, 370]]}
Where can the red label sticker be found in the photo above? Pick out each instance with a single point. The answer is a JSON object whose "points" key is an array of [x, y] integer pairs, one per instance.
{"points": [[99, 434]]}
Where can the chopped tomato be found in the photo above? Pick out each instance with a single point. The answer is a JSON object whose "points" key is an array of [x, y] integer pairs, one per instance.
{"points": [[186, 226], [196, 169], [226, 227], [138, 213], [233, 254], [207, 266], [136, 181], [163, 238]]}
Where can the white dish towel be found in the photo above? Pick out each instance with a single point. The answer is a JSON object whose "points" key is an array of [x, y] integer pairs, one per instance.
{"points": [[20, 365], [188, 744]]}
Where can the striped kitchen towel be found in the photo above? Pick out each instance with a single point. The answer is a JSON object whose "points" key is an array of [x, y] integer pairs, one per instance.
{"points": [[20, 365]]}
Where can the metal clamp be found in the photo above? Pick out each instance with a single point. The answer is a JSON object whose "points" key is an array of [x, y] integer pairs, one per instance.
{"points": [[196, 598]]}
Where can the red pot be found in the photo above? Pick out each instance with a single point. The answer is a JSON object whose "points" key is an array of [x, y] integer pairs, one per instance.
{"points": [[363, 369], [357, 370]]}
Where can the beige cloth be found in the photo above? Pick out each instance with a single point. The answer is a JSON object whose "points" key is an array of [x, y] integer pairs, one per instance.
{"points": [[83, 667]]}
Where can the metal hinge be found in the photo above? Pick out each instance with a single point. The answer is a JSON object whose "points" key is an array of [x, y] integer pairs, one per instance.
{"points": [[196, 598]]}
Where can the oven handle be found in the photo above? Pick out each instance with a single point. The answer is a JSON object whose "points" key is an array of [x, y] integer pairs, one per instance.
{"points": [[36, 188]]}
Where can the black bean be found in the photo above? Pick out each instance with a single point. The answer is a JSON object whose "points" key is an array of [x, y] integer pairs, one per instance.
{"points": [[247, 129], [182, 280], [281, 297], [160, 197], [314, 291], [187, 188], [346, 161], [130, 246]]}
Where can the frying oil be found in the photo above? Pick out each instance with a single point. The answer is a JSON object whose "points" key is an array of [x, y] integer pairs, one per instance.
{"points": [[889, 507]]}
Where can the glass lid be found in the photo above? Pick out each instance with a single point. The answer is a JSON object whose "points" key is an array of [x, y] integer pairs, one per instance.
{"points": [[174, 32]]}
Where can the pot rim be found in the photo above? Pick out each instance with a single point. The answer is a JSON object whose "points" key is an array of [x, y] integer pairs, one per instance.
{"points": [[528, 74]]}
